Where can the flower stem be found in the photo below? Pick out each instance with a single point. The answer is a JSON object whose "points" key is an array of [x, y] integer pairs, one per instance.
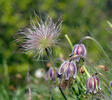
{"points": [[88, 37], [86, 71], [92, 97], [69, 41], [51, 96], [62, 93], [105, 80], [109, 23], [28, 79], [50, 59]]}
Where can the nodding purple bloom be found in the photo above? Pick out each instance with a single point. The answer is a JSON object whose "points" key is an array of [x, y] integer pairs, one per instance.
{"points": [[111, 84], [111, 88], [51, 74], [68, 69], [92, 84], [39, 36], [79, 51]]}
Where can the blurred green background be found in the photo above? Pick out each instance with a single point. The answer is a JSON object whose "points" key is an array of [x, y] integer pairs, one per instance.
{"points": [[80, 18]]}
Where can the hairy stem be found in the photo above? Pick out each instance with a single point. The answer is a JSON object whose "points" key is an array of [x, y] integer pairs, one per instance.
{"points": [[6, 74], [88, 37], [86, 71], [109, 23], [28, 79], [69, 41], [105, 80], [62, 93], [50, 59], [92, 97]]}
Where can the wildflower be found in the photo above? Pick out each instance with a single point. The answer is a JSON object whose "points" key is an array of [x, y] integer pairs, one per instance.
{"points": [[79, 51], [51, 74], [111, 84], [68, 69], [111, 88], [92, 84], [39, 36]]}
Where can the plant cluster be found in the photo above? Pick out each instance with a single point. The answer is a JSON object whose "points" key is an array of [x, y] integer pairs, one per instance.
{"points": [[40, 37]]}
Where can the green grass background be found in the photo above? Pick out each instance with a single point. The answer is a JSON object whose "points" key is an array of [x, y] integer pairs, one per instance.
{"points": [[80, 18]]}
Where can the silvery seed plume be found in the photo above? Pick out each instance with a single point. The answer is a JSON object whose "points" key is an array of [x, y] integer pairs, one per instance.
{"points": [[39, 36]]}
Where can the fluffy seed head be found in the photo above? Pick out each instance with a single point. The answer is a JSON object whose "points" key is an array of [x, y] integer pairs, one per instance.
{"points": [[92, 84], [39, 36], [68, 69]]}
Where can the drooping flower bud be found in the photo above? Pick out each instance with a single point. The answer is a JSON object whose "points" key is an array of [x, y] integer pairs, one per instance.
{"points": [[111, 88], [51, 74], [92, 84], [111, 84], [68, 69], [79, 51]]}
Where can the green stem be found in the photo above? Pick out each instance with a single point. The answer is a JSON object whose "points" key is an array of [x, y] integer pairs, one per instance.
{"points": [[103, 77], [28, 80], [109, 23], [62, 93], [88, 37], [51, 96], [6, 74], [86, 71], [105, 80], [50, 59], [92, 97], [69, 41]]}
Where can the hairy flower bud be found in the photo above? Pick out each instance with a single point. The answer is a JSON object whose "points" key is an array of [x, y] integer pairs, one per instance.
{"points": [[111, 84], [79, 51], [92, 84], [111, 88], [68, 69], [51, 74]]}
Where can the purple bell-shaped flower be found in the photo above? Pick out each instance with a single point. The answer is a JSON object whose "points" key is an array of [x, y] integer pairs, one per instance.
{"points": [[92, 84], [51, 74], [79, 51], [111, 88], [111, 84], [68, 69]]}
